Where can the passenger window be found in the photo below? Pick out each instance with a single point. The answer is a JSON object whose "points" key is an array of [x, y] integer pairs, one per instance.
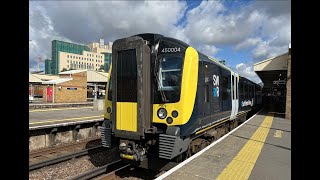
{"points": [[206, 81], [245, 90], [236, 87], [232, 89]]}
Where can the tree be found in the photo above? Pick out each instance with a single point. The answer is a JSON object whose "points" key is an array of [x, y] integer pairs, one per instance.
{"points": [[64, 69]]}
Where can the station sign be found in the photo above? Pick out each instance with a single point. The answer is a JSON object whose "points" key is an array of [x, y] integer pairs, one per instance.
{"points": [[72, 88], [279, 82]]}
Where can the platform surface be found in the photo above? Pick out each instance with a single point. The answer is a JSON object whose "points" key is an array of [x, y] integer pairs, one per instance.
{"points": [[258, 149], [63, 116]]}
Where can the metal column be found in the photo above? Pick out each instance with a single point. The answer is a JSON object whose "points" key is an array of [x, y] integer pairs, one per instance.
{"points": [[95, 91]]}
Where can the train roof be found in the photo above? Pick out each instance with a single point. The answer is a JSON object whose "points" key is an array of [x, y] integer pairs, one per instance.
{"points": [[153, 37]]}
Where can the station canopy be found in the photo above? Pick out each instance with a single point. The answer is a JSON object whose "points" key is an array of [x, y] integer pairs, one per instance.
{"points": [[34, 79], [93, 77], [57, 81], [97, 77], [44, 77], [273, 71]]}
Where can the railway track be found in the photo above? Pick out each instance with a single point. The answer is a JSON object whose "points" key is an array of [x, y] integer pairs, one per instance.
{"points": [[113, 169], [66, 147], [104, 172], [53, 156]]}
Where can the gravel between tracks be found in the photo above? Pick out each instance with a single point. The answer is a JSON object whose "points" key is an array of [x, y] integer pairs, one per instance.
{"points": [[74, 167]]}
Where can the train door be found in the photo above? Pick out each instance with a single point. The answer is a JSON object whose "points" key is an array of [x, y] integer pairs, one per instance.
{"points": [[131, 103], [49, 94], [234, 94]]}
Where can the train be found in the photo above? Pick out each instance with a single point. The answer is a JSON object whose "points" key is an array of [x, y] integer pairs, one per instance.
{"points": [[166, 100]]}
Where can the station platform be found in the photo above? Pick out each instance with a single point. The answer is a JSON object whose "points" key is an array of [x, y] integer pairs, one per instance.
{"points": [[260, 148], [66, 116], [42, 105]]}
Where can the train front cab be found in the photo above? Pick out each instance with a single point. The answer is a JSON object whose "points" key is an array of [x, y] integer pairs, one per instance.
{"points": [[135, 111]]}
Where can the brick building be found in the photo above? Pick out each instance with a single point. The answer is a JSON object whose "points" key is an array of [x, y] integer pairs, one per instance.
{"points": [[70, 87]]}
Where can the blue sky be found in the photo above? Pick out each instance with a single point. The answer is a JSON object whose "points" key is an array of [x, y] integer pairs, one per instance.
{"points": [[239, 32]]}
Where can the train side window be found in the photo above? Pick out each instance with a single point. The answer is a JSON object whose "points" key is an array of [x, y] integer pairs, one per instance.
{"points": [[232, 89], [236, 87], [225, 88], [245, 90], [206, 81], [241, 90], [250, 91]]}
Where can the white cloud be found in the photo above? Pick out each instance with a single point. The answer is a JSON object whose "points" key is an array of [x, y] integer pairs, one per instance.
{"points": [[248, 43], [262, 28], [41, 33], [246, 70], [209, 50], [84, 22], [211, 23], [266, 50], [88, 21]]}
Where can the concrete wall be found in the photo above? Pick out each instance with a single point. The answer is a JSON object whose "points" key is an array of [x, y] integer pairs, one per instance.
{"points": [[288, 98], [44, 138], [64, 95]]}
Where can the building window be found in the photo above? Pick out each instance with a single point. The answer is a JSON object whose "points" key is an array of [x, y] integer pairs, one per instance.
{"points": [[67, 61], [67, 56], [68, 66]]}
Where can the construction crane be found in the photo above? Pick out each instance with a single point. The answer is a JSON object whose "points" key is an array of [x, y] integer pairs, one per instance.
{"points": [[39, 61]]}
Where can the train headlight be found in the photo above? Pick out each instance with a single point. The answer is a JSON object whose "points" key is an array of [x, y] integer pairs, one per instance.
{"points": [[108, 109], [169, 120], [162, 113], [174, 113]]}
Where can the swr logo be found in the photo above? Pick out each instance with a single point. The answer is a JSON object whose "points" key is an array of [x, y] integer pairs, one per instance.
{"points": [[215, 83], [215, 80]]}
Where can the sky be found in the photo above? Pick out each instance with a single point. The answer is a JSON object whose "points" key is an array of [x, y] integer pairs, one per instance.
{"points": [[239, 32]]}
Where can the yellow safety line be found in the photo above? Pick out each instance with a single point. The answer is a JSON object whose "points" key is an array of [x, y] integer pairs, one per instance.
{"points": [[56, 109], [241, 166], [68, 119]]}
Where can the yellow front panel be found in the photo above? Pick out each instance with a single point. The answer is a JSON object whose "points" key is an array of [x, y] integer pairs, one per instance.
{"points": [[126, 116], [188, 92]]}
